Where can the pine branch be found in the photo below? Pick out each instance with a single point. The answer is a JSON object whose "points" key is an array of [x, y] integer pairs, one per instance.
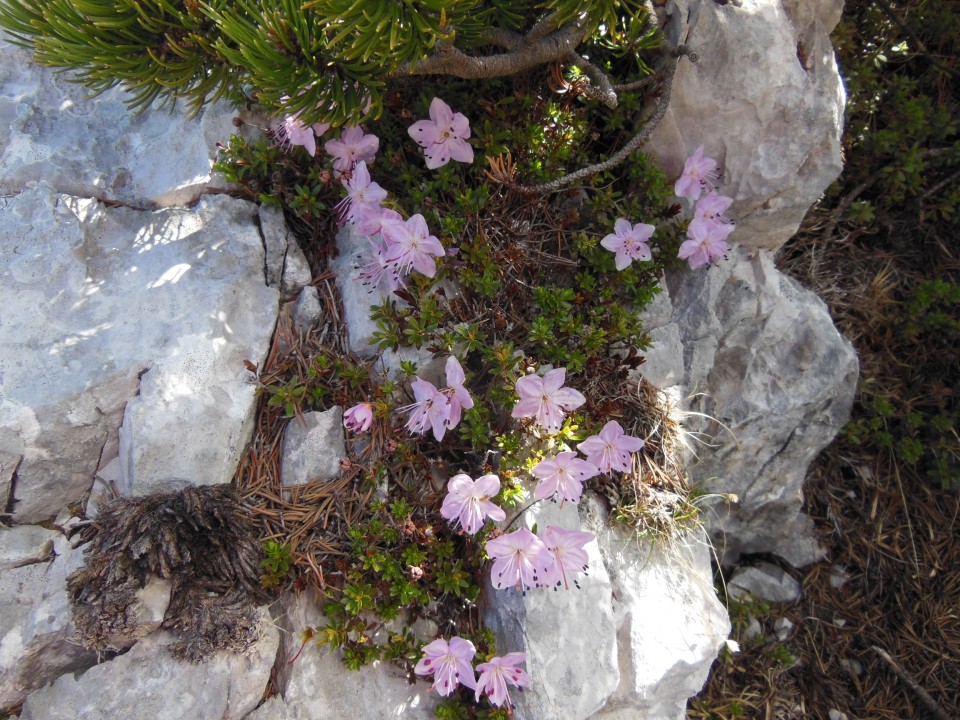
{"points": [[450, 60]]}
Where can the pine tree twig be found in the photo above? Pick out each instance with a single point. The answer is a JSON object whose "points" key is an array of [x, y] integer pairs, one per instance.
{"points": [[928, 702], [636, 84], [544, 26], [600, 89], [450, 60], [669, 70]]}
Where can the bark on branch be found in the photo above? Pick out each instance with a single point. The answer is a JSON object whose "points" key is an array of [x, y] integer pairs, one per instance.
{"points": [[449, 60]]}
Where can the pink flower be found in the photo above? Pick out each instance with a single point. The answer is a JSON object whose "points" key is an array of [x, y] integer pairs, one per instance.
{"points": [[363, 196], [431, 409], [292, 132], [629, 242], [565, 555], [611, 449], [546, 399], [710, 208], [468, 501], [495, 674], [449, 663], [376, 269], [697, 172], [444, 136], [373, 219], [412, 247], [517, 559], [705, 244], [458, 395], [564, 473], [352, 147], [359, 418]]}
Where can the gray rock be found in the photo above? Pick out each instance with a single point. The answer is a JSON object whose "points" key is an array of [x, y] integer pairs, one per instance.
{"points": [[313, 447], [782, 627], [276, 239], [147, 683], [671, 626], [36, 625], [273, 709], [318, 686], [354, 251], [51, 131], [306, 309], [638, 638], [770, 382], [765, 99], [95, 297], [296, 271], [25, 545], [570, 636], [764, 581]]}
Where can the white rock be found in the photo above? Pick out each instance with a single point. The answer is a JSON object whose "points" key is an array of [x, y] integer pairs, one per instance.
{"points": [[671, 626], [354, 251], [36, 625], [273, 709], [93, 297], [770, 382], [318, 686], [147, 683], [313, 447], [838, 576], [753, 630], [296, 270], [765, 582], [765, 99], [52, 131], [25, 544], [782, 627], [276, 239], [637, 639]]}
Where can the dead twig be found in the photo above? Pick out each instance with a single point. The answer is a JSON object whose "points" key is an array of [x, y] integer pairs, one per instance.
{"points": [[928, 702]]}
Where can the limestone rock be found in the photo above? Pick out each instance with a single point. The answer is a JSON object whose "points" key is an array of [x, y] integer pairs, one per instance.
{"points": [[148, 683], [764, 581], [764, 98], [313, 447], [770, 382], [637, 639], [51, 131], [318, 686], [276, 240], [24, 545], [354, 252], [36, 626], [569, 636], [102, 303]]}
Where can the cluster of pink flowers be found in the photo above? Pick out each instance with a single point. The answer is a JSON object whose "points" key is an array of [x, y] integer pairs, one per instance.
{"points": [[439, 410], [523, 560], [450, 665], [563, 474], [707, 233]]}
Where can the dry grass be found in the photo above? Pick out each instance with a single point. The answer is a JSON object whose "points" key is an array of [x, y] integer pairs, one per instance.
{"points": [[894, 535], [312, 518]]}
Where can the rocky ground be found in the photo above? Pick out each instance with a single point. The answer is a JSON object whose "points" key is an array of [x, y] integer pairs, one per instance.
{"points": [[139, 300]]}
